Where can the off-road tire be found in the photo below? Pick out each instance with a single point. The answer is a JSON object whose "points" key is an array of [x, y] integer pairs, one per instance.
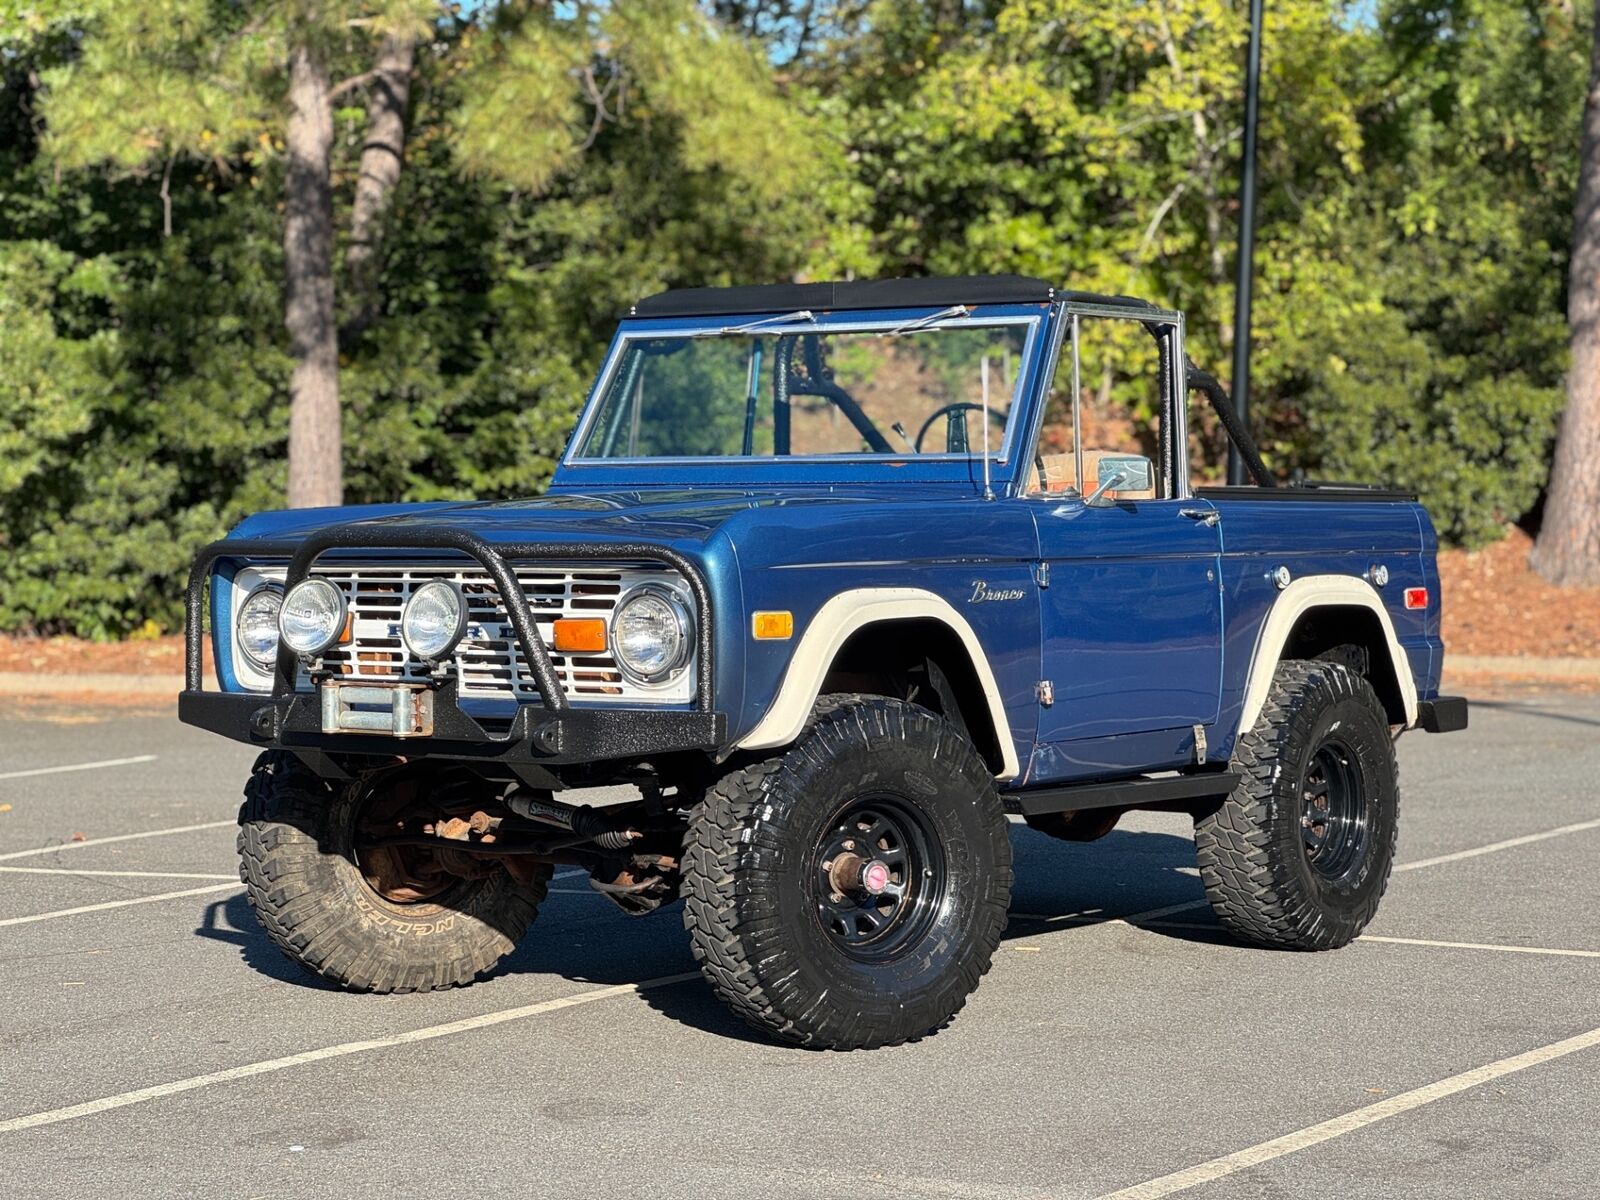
{"points": [[301, 877], [756, 921], [1253, 851]]}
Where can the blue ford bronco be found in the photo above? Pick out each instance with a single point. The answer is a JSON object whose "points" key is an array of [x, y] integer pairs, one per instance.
{"points": [[834, 577]]}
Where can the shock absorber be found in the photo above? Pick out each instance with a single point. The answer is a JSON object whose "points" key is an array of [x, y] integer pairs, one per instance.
{"points": [[580, 819]]}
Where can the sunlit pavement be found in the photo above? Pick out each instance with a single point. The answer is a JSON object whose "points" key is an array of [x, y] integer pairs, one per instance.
{"points": [[153, 1043]]}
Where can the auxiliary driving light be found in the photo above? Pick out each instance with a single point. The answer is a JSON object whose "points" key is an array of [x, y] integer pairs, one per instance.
{"points": [[313, 617], [434, 620]]}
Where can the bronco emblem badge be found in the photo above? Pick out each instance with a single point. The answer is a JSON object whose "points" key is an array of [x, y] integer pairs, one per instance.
{"points": [[981, 592]]}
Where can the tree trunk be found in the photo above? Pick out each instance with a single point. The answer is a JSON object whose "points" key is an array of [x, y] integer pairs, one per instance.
{"points": [[316, 473], [1568, 550], [380, 170]]}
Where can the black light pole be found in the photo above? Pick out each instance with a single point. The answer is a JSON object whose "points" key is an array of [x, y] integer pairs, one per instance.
{"points": [[1247, 243]]}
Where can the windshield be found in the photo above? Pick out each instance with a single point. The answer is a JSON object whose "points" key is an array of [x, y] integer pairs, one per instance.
{"points": [[913, 389]]}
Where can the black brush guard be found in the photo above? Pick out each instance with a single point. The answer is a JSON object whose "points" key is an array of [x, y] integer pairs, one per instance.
{"points": [[548, 732]]}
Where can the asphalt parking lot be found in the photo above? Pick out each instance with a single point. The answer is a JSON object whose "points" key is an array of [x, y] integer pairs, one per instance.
{"points": [[153, 1043]]}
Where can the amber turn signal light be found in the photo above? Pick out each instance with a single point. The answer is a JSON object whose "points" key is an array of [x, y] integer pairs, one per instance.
{"points": [[773, 626], [580, 635]]}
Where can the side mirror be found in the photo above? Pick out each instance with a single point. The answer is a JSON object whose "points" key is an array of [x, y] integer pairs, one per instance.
{"points": [[1121, 472]]}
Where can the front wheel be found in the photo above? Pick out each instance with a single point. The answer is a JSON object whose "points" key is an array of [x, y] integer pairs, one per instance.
{"points": [[1299, 855], [850, 893], [388, 919]]}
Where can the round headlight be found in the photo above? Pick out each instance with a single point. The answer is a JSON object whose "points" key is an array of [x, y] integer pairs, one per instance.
{"points": [[256, 626], [651, 632], [313, 617], [434, 620]]}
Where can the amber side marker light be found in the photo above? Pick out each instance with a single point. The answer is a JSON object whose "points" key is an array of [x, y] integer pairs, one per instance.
{"points": [[1416, 597], [772, 626], [580, 635]]}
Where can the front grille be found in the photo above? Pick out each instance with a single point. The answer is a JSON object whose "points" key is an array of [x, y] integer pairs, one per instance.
{"points": [[488, 664]]}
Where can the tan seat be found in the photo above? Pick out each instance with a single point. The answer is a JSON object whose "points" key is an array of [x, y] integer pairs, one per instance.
{"points": [[1060, 475]]}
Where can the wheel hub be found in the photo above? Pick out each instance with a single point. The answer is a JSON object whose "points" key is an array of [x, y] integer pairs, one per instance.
{"points": [[1334, 818], [852, 875], [878, 877]]}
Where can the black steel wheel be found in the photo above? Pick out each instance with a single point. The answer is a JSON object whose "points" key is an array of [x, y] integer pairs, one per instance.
{"points": [[878, 877], [850, 892], [1299, 855], [1337, 819]]}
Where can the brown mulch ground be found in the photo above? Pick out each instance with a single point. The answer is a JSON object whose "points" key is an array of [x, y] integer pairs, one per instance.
{"points": [[1493, 604], [72, 656]]}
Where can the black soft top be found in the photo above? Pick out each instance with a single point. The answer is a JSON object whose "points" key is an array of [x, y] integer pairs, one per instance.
{"points": [[942, 291]]}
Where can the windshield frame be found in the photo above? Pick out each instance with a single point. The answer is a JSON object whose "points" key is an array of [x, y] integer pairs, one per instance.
{"points": [[763, 467]]}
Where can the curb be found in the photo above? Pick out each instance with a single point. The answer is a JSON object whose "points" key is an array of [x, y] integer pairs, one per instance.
{"points": [[24, 683], [1526, 668]]}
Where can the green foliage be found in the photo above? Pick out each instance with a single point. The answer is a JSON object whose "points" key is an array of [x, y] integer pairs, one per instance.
{"points": [[144, 379], [1418, 165]]}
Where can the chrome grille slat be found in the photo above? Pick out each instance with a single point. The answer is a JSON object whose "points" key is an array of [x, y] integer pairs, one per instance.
{"points": [[489, 664]]}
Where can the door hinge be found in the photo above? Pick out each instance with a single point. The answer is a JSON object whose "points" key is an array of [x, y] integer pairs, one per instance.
{"points": [[1041, 574], [1200, 745], [1046, 691]]}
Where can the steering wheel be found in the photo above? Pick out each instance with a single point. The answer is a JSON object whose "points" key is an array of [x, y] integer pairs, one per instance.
{"points": [[955, 437]]}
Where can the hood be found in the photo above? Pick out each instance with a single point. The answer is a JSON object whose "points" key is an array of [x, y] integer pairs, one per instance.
{"points": [[670, 516]]}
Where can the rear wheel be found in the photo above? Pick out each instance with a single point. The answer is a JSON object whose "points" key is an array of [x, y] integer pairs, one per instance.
{"points": [[388, 919], [850, 892], [1299, 855]]}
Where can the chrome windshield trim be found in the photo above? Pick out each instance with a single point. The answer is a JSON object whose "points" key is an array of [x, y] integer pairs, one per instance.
{"points": [[571, 458]]}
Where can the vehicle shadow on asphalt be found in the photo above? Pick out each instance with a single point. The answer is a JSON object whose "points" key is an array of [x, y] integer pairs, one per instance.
{"points": [[1522, 708], [232, 921], [1069, 885], [581, 939]]}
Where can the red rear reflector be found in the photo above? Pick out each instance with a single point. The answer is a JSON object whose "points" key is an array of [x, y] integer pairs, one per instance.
{"points": [[1416, 597]]}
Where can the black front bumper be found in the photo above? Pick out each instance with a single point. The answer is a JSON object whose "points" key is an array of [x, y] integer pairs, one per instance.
{"points": [[536, 735]]}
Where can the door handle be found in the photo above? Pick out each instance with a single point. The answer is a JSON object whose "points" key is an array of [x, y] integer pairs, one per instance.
{"points": [[1206, 516]]}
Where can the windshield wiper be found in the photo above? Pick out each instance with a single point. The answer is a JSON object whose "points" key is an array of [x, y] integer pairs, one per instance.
{"points": [[805, 314], [955, 310]]}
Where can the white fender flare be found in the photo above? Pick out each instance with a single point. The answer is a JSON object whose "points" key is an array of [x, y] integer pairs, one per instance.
{"points": [[1299, 598], [827, 633]]}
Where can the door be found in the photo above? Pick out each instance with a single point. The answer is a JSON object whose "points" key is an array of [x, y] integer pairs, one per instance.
{"points": [[1131, 622], [1131, 614]]}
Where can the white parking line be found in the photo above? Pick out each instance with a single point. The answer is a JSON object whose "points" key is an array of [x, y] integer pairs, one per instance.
{"points": [[130, 874], [89, 908], [1524, 840], [121, 837], [1500, 946], [88, 766], [1371, 1114], [122, 1100]]}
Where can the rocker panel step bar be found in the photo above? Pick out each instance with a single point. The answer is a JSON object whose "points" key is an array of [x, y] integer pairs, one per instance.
{"points": [[1122, 793]]}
